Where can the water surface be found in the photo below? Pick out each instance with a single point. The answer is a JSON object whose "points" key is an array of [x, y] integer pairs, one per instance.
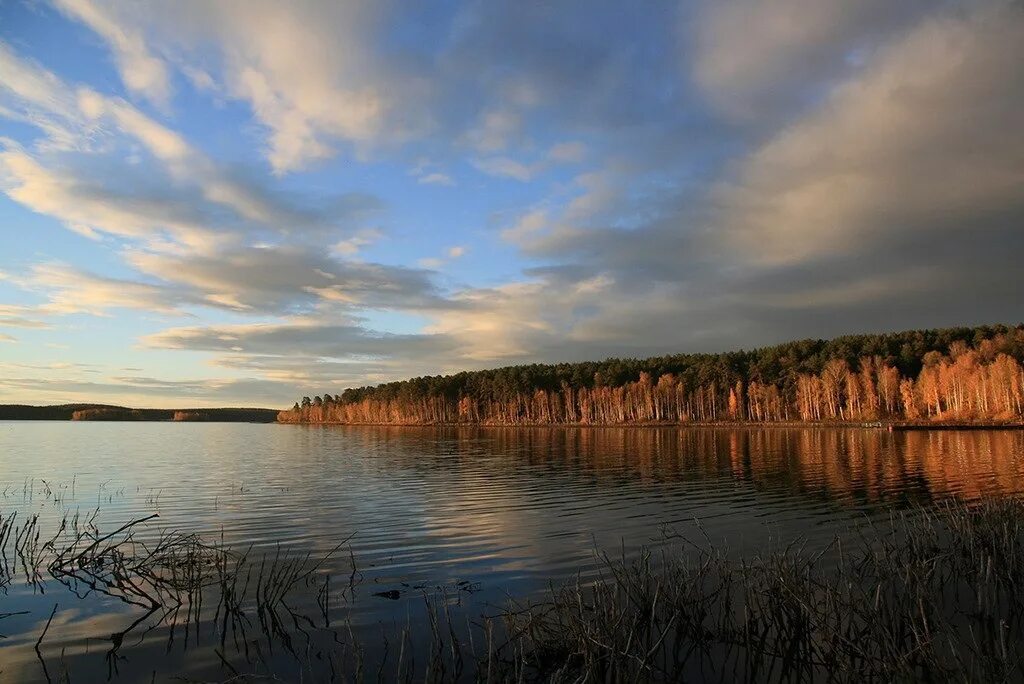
{"points": [[475, 516]]}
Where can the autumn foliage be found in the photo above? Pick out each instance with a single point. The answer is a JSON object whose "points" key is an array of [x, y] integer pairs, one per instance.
{"points": [[958, 374]]}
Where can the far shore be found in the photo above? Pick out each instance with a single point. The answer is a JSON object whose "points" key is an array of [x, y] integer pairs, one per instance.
{"points": [[779, 424], [109, 413]]}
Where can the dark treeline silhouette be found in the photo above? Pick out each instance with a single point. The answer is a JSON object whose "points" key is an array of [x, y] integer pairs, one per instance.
{"points": [[951, 374], [108, 412]]}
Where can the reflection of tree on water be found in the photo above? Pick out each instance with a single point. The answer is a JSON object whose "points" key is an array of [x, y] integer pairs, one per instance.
{"points": [[840, 463]]}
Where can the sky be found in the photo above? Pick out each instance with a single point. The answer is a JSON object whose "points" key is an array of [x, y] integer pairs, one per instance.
{"points": [[241, 202]]}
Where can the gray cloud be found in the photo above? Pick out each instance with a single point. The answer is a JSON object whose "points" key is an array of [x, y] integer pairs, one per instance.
{"points": [[289, 279], [303, 337], [895, 203], [762, 58]]}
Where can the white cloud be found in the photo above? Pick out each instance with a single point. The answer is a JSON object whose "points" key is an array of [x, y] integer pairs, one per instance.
{"points": [[141, 71], [71, 290], [450, 254], [494, 131], [527, 227], [183, 213], [307, 69], [436, 178], [87, 208], [351, 246], [507, 167], [567, 152], [523, 320], [20, 317]]}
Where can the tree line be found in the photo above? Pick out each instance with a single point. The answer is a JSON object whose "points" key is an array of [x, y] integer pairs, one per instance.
{"points": [[951, 374]]}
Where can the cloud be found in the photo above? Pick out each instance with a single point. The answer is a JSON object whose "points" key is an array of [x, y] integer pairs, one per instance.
{"points": [[304, 338], [797, 45], [561, 153], [892, 204], [287, 279], [89, 207], [141, 71], [33, 95], [71, 290], [363, 77], [306, 69], [352, 245], [494, 131], [306, 371], [563, 315], [507, 168], [844, 167], [148, 392], [526, 227], [266, 281], [7, 338], [567, 152], [450, 254], [918, 141], [435, 178], [185, 208], [575, 66], [17, 317]]}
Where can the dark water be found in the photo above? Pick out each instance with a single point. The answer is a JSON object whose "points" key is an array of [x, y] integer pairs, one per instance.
{"points": [[470, 517]]}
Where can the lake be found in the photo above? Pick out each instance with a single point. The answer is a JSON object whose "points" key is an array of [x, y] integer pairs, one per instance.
{"points": [[463, 518]]}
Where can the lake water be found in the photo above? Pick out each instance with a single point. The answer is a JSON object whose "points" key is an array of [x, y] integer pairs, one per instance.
{"points": [[468, 518]]}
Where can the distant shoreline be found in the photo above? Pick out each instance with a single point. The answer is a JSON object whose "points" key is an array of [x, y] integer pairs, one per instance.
{"points": [[110, 413], [122, 414]]}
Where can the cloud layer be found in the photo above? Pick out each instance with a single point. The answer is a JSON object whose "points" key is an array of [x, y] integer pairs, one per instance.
{"points": [[607, 181]]}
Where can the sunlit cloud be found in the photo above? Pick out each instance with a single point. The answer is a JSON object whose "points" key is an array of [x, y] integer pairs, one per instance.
{"points": [[141, 71]]}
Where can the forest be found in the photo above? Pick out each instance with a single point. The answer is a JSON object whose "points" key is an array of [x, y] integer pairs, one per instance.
{"points": [[966, 374]]}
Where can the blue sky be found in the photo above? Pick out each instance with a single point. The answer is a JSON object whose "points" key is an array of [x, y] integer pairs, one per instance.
{"points": [[239, 203]]}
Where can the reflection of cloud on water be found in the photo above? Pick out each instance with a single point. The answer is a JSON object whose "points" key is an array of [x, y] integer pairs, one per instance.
{"points": [[79, 639], [77, 631]]}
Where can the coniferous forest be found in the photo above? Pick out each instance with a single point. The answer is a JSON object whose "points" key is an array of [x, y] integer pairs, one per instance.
{"points": [[950, 375]]}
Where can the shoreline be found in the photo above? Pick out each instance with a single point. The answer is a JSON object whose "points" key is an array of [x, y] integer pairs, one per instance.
{"points": [[732, 425]]}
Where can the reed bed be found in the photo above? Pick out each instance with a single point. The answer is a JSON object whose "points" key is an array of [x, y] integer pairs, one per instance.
{"points": [[930, 594], [168, 577]]}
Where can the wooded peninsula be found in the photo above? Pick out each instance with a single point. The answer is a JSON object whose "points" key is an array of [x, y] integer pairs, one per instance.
{"points": [[966, 375]]}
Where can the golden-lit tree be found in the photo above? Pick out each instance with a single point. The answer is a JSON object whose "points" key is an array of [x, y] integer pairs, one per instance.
{"points": [[967, 383]]}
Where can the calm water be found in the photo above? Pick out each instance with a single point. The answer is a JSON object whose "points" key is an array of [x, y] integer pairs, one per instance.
{"points": [[473, 516]]}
